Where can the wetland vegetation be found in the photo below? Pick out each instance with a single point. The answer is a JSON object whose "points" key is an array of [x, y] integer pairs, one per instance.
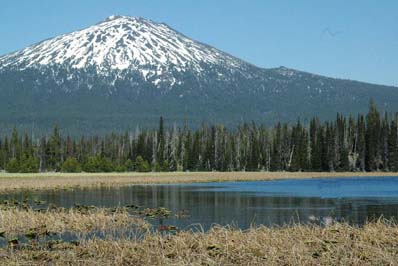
{"points": [[111, 226], [336, 244]]}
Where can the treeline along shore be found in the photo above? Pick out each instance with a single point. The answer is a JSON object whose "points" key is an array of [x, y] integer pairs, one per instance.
{"points": [[367, 142]]}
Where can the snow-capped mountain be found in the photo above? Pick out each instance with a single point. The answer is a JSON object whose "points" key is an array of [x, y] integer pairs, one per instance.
{"points": [[123, 43], [127, 71]]}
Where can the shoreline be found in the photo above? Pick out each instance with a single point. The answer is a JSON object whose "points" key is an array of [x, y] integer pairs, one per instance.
{"points": [[20, 181]]}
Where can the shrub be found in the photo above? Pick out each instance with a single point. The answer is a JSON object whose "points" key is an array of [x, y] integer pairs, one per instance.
{"points": [[166, 166], [129, 165], [97, 164], [92, 165], [120, 168], [106, 165], [157, 167], [12, 166], [142, 165], [71, 165], [29, 165]]}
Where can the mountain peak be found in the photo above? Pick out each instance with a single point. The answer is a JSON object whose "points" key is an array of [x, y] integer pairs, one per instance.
{"points": [[121, 43], [124, 19], [128, 70], [113, 17]]}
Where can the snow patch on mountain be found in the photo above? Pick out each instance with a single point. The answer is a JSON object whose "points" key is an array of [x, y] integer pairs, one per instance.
{"points": [[123, 43]]}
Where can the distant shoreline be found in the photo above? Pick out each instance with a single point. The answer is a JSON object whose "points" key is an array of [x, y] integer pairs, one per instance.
{"points": [[11, 181]]}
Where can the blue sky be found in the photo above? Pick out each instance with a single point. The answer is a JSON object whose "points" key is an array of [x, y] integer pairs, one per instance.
{"points": [[355, 39]]}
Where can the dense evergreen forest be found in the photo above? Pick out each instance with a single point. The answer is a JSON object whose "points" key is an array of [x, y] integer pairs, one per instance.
{"points": [[364, 143]]}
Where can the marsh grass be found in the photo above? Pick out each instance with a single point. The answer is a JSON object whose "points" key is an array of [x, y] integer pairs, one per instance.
{"points": [[340, 244], [14, 221], [375, 243], [67, 180]]}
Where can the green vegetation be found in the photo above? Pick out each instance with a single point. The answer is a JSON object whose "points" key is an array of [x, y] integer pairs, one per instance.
{"points": [[366, 143], [12, 166], [71, 165]]}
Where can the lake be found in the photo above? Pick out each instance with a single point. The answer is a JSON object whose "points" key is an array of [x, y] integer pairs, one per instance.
{"points": [[354, 200]]}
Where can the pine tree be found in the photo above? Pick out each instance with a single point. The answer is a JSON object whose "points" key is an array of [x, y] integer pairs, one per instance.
{"points": [[372, 139], [393, 145], [54, 152], [367, 143], [315, 145], [361, 143], [15, 147], [161, 142], [276, 157]]}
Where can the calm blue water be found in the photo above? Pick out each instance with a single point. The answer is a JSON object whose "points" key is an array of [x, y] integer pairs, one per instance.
{"points": [[354, 200], [356, 187]]}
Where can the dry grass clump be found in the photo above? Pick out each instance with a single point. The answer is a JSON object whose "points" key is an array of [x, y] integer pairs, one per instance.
{"points": [[14, 221], [340, 244], [62, 180]]}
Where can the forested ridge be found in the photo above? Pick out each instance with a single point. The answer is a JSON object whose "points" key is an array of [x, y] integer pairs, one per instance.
{"points": [[363, 143]]}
